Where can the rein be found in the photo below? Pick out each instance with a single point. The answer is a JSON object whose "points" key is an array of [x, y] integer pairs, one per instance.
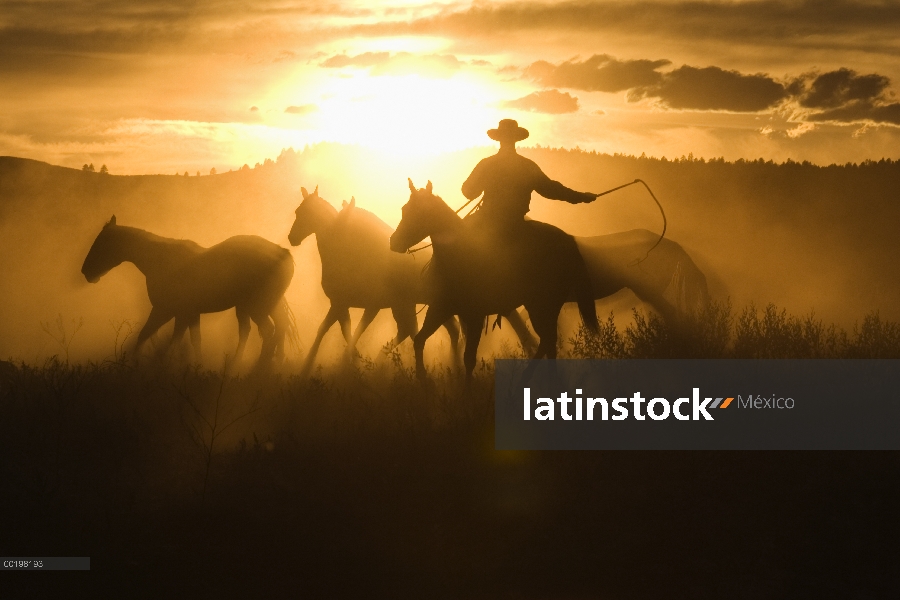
{"points": [[474, 208], [641, 181]]}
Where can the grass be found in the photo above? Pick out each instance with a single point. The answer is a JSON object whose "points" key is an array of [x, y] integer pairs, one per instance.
{"points": [[714, 332], [361, 482]]}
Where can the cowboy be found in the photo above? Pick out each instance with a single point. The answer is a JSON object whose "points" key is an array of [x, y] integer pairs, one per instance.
{"points": [[507, 180]]}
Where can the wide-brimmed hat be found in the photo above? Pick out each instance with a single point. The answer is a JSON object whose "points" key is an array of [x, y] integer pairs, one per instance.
{"points": [[508, 130]]}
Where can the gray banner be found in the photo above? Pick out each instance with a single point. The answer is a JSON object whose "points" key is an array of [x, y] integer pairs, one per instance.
{"points": [[697, 405], [53, 563]]}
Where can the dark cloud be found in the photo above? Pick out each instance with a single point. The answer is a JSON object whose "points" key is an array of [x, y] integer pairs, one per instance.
{"points": [[856, 112], [106, 26], [599, 73], [841, 95], [303, 109], [838, 88], [552, 102], [805, 23], [709, 88], [712, 88], [400, 63]]}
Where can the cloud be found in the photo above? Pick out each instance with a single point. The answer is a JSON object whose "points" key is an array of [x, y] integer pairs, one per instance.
{"points": [[838, 88], [400, 63], [599, 73], [860, 111], [840, 96], [843, 96], [303, 109], [804, 23], [801, 129], [713, 88], [692, 88], [365, 60], [552, 102]]}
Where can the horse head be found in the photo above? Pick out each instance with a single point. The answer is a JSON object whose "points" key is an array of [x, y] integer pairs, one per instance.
{"points": [[421, 217], [312, 216], [105, 253]]}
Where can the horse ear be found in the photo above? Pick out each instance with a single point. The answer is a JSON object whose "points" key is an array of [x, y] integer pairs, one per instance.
{"points": [[412, 188], [352, 201], [316, 191], [428, 187], [304, 193], [111, 222], [344, 204]]}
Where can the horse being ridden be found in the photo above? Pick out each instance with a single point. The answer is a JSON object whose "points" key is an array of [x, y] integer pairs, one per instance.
{"points": [[185, 279], [476, 274], [360, 271]]}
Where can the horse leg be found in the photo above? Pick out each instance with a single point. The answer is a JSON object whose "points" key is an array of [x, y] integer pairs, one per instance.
{"points": [[344, 321], [156, 320], [407, 326], [181, 325], [368, 315], [195, 336], [471, 326], [434, 318], [544, 319], [452, 327], [327, 322], [267, 333], [243, 319], [526, 339], [405, 317]]}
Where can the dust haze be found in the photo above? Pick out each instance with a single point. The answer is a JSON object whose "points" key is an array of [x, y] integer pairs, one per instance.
{"points": [[808, 238]]}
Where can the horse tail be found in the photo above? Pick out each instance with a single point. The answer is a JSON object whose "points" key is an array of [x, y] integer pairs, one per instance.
{"points": [[286, 268], [291, 331], [584, 294], [689, 286]]}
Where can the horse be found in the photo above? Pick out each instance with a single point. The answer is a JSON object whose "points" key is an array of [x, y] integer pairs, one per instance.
{"points": [[360, 271], [185, 279], [666, 278], [474, 276]]}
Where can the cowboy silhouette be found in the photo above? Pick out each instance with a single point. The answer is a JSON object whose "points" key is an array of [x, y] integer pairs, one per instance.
{"points": [[507, 180]]}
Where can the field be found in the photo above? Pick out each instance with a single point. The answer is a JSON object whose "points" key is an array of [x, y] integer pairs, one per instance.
{"points": [[361, 482], [183, 480]]}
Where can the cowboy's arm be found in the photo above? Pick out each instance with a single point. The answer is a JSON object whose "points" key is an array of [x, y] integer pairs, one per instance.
{"points": [[554, 190], [474, 185]]}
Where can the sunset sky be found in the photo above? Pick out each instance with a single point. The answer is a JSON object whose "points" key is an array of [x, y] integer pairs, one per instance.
{"points": [[166, 86]]}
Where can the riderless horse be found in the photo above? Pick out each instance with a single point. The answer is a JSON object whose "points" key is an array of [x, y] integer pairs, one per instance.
{"points": [[476, 275], [360, 271], [666, 277], [185, 279]]}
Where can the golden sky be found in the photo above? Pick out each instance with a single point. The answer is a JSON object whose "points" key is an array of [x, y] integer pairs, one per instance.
{"points": [[164, 86]]}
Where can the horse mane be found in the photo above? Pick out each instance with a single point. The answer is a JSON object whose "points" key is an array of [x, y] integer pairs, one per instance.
{"points": [[442, 202], [158, 239], [352, 219]]}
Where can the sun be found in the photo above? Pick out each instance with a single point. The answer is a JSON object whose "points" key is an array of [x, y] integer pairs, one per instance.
{"points": [[404, 115]]}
